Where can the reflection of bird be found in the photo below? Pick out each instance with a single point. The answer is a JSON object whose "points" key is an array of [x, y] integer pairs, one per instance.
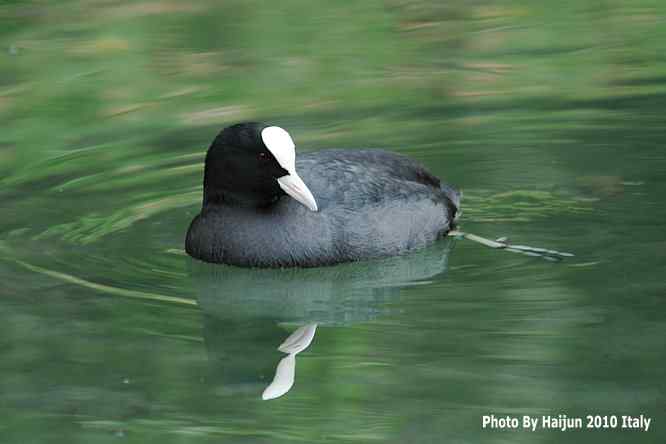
{"points": [[348, 205], [336, 295], [285, 371], [247, 312]]}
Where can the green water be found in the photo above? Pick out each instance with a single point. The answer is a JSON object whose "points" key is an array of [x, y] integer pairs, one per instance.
{"points": [[550, 117]]}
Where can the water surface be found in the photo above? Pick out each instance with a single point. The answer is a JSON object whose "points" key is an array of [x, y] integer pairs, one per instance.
{"points": [[551, 120]]}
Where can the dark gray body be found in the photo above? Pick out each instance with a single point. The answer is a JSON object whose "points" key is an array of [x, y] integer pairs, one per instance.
{"points": [[372, 204]]}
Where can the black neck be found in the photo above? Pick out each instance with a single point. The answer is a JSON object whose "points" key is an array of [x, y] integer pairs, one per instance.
{"points": [[217, 196]]}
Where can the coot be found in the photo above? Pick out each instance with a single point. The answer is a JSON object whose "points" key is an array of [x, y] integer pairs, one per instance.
{"points": [[263, 207]]}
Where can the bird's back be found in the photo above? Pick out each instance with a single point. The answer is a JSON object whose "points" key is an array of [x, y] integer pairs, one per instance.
{"points": [[360, 178]]}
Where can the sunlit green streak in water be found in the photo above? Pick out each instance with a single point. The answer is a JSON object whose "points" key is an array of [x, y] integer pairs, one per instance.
{"points": [[105, 288]]}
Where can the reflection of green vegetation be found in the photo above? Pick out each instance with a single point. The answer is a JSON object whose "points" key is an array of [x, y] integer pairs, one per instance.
{"points": [[521, 206], [92, 227], [98, 72]]}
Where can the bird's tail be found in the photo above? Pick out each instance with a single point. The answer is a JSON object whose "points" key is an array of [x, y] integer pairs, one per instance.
{"points": [[454, 197]]}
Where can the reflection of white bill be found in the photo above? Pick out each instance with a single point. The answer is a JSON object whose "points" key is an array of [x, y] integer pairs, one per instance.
{"points": [[299, 340], [285, 372], [283, 379]]}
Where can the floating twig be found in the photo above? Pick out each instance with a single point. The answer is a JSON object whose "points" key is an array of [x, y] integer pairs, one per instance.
{"points": [[502, 243]]}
